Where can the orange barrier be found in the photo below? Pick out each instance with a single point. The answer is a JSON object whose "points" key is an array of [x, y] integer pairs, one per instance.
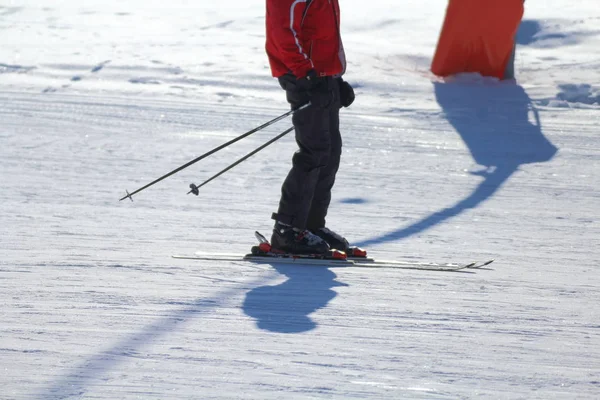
{"points": [[477, 36]]}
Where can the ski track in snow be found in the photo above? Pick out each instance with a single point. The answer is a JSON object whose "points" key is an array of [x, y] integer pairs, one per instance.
{"points": [[94, 307]]}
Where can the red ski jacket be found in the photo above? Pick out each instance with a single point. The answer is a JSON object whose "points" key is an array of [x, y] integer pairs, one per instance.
{"points": [[304, 35]]}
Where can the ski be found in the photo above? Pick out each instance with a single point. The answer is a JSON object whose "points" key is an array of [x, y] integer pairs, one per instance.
{"points": [[264, 254], [329, 262], [473, 265]]}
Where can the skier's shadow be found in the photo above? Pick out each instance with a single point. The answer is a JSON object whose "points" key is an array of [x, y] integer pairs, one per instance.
{"points": [[286, 308], [494, 122]]}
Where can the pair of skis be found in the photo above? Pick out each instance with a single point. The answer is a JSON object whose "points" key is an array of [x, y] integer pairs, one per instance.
{"points": [[262, 254]]}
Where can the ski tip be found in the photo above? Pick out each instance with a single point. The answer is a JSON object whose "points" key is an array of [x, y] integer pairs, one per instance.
{"points": [[487, 262], [482, 264]]}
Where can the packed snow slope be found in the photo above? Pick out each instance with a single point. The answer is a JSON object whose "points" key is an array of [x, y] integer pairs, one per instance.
{"points": [[101, 97]]}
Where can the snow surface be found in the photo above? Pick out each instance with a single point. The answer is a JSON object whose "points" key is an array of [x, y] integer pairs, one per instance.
{"points": [[98, 97]]}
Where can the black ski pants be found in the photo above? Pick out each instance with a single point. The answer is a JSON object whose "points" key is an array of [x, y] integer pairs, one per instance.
{"points": [[306, 191]]}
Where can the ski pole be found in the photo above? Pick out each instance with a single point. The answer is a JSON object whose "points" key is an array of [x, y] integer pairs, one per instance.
{"points": [[194, 188], [195, 160]]}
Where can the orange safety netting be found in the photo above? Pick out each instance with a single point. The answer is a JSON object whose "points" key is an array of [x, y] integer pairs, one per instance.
{"points": [[477, 36]]}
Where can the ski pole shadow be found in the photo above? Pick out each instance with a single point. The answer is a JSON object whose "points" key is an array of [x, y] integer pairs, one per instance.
{"points": [[92, 370], [494, 122], [286, 308]]}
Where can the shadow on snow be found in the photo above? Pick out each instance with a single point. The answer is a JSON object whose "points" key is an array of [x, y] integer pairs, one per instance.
{"points": [[76, 383], [551, 34], [493, 121], [286, 308]]}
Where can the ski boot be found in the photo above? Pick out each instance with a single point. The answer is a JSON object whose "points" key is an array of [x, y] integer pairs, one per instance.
{"points": [[287, 239], [338, 242]]}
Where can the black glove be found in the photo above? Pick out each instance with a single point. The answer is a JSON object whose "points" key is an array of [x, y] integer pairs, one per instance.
{"points": [[346, 93], [316, 88]]}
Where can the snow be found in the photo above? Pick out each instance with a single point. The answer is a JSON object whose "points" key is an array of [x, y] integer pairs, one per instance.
{"points": [[97, 98]]}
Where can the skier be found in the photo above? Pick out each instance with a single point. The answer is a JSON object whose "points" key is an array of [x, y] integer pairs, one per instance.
{"points": [[305, 53]]}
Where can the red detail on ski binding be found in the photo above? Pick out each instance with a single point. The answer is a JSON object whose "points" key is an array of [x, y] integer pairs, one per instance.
{"points": [[338, 255], [358, 252], [264, 247]]}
